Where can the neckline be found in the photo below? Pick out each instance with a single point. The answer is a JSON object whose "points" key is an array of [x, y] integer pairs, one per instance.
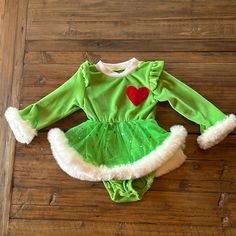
{"points": [[128, 66]]}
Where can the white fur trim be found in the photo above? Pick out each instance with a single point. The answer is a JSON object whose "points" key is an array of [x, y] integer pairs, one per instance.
{"points": [[217, 132], [22, 129], [174, 162], [73, 163]]}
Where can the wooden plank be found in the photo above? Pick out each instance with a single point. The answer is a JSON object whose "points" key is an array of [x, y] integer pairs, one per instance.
{"points": [[82, 10], [114, 45], [86, 228], [163, 29], [11, 51], [48, 57], [4, 209], [2, 12], [65, 194], [199, 209]]}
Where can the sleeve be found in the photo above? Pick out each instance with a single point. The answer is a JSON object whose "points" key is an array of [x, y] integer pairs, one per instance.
{"points": [[58, 104], [214, 124]]}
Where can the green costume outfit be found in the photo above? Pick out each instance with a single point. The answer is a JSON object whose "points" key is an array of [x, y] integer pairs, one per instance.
{"points": [[121, 143]]}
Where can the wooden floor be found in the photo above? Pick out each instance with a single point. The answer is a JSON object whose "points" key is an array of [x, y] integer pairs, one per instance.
{"points": [[41, 45]]}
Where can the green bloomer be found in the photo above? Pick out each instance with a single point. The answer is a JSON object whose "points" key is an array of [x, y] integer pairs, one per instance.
{"points": [[121, 143]]}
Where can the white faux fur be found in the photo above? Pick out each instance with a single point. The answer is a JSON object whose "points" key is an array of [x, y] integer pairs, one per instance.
{"points": [[22, 129], [174, 162], [73, 163], [217, 132]]}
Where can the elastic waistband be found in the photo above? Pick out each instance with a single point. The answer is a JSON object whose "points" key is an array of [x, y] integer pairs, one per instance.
{"points": [[123, 121]]}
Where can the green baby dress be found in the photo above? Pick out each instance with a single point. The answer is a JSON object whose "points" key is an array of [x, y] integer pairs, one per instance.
{"points": [[121, 143]]}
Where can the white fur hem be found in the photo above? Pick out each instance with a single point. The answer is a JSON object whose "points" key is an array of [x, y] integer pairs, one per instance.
{"points": [[73, 163], [217, 132], [22, 129], [174, 162]]}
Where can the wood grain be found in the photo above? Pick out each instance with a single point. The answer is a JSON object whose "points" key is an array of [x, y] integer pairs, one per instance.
{"points": [[61, 228], [204, 205], [129, 45], [51, 57], [55, 10], [138, 29], [42, 43], [13, 16]]}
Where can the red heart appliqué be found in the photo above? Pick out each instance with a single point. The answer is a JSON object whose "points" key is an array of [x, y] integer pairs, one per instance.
{"points": [[136, 96]]}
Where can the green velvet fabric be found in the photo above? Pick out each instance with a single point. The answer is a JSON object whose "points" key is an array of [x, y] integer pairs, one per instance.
{"points": [[118, 132], [130, 190], [116, 143], [187, 101]]}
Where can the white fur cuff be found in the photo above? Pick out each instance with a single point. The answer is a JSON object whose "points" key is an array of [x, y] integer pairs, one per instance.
{"points": [[217, 132], [22, 129]]}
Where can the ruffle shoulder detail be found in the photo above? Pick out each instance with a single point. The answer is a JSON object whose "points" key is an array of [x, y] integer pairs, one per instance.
{"points": [[154, 75], [83, 69]]}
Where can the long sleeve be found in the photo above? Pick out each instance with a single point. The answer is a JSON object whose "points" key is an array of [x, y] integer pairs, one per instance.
{"points": [[214, 124], [58, 104]]}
